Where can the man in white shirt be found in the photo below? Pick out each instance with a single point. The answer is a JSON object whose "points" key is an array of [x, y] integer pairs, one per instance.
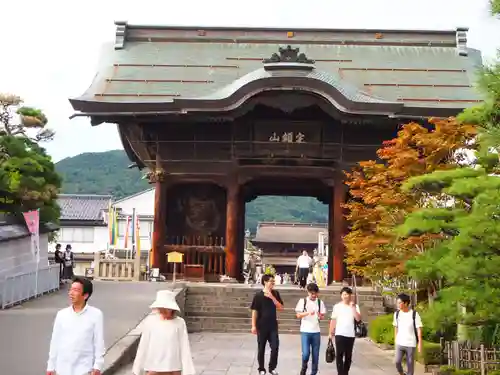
{"points": [[342, 327], [310, 311], [408, 334], [77, 344], [303, 263]]}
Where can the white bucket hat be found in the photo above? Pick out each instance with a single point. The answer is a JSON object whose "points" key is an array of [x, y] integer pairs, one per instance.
{"points": [[165, 299]]}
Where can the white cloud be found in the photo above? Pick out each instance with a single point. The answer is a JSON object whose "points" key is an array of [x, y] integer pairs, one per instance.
{"points": [[53, 46]]}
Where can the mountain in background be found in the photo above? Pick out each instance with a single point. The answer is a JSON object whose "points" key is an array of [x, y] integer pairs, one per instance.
{"points": [[107, 173]]}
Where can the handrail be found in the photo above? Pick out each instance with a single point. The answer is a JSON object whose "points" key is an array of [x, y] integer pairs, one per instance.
{"points": [[20, 287]]}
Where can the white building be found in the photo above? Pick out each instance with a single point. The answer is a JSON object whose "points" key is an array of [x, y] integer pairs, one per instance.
{"points": [[143, 203], [84, 218]]}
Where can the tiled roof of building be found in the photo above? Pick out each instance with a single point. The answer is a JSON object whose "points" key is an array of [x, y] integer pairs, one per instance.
{"points": [[13, 227], [83, 207], [296, 233], [153, 66]]}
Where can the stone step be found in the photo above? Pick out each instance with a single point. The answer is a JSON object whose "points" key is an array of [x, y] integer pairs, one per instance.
{"points": [[294, 294], [285, 297], [233, 303], [223, 310]]}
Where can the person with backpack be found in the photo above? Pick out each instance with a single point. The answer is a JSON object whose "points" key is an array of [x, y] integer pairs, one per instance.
{"points": [[310, 310], [343, 328], [408, 334]]}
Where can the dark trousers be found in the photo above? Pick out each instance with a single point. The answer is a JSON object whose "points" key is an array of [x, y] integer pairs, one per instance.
{"points": [[410, 359], [303, 273], [344, 346], [264, 337], [310, 343]]}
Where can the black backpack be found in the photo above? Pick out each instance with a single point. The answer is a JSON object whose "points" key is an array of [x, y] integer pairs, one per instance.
{"points": [[414, 316], [305, 305]]}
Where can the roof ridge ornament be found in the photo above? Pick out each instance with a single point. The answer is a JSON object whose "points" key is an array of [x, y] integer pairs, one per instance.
{"points": [[288, 55]]}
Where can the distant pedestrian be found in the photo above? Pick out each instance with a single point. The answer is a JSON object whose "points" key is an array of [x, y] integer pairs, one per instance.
{"points": [[265, 323], [304, 262], [68, 263], [408, 332], [58, 258], [342, 327], [310, 310], [164, 346], [77, 344]]}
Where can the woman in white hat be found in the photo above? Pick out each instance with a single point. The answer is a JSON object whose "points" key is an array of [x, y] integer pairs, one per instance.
{"points": [[164, 347]]}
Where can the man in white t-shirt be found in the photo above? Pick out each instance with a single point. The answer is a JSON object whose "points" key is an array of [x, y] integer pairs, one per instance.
{"points": [[342, 327], [303, 264], [310, 311], [408, 334]]}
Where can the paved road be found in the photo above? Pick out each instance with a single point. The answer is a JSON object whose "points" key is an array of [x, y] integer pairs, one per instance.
{"points": [[235, 354], [25, 330]]}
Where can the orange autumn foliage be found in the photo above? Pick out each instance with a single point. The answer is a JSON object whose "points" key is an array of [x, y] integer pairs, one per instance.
{"points": [[378, 205]]}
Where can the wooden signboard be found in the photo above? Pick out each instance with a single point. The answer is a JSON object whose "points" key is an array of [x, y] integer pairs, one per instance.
{"points": [[174, 257]]}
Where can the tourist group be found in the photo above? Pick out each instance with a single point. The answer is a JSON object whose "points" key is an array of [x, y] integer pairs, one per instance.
{"points": [[77, 344]]}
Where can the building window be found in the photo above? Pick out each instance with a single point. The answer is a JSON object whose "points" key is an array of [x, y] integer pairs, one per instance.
{"points": [[77, 235]]}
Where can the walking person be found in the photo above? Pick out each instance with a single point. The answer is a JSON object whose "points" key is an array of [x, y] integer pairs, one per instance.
{"points": [[77, 344], [58, 258], [342, 327], [164, 346], [303, 264], [265, 323], [68, 263], [310, 310], [408, 334]]}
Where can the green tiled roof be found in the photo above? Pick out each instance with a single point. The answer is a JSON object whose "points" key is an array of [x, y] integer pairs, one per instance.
{"points": [[426, 69]]}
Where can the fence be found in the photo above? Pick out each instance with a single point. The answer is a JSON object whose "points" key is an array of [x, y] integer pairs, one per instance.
{"points": [[466, 356], [116, 269], [21, 287]]}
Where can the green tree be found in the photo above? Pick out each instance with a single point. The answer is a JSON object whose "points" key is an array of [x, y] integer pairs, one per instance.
{"points": [[28, 179], [466, 213], [16, 120]]}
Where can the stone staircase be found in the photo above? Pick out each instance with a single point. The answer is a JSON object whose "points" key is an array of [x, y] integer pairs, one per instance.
{"points": [[226, 307]]}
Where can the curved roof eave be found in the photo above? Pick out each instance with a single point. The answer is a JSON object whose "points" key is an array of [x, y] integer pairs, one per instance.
{"points": [[345, 97]]}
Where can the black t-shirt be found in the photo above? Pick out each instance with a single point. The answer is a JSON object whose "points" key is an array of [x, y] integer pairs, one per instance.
{"points": [[267, 319]]}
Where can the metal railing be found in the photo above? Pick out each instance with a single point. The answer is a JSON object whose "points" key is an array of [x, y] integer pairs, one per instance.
{"points": [[15, 289]]}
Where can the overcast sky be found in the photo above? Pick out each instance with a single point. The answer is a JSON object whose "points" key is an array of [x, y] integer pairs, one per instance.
{"points": [[50, 48]]}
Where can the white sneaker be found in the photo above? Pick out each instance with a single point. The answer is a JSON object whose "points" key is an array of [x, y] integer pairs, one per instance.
{"points": [[274, 372], [262, 373]]}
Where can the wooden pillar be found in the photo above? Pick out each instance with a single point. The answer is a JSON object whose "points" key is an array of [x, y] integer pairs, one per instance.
{"points": [[232, 221], [336, 222], [159, 221]]}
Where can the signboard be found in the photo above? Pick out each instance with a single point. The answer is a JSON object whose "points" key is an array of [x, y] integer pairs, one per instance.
{"points": [[33, 223], [175, 257]]}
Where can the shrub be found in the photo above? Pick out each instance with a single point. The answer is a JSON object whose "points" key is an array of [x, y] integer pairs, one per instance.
{"points": [[381, 329], [431, 354], [450, 370]]}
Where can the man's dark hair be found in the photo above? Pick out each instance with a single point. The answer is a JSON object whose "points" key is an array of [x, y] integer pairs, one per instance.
{"points": [[346, 289], [58, 246], [87, 287], [312, 288], [266, 277], [405, 298]]}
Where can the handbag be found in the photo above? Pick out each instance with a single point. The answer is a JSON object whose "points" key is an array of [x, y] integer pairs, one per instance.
{"points": [[360, 330], [330, 352]]}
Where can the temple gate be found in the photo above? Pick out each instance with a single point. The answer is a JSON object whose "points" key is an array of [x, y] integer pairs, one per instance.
{"points": [[223, 115]]}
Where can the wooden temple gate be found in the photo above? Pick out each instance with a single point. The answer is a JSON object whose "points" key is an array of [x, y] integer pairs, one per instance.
{"points": [[220, 116]]}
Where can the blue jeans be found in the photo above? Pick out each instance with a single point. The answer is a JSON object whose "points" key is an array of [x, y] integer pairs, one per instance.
{"points": [[310, 343]]}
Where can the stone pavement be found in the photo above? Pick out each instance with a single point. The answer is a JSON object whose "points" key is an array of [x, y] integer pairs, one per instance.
{"points": [[235, 354], [25, 330]]}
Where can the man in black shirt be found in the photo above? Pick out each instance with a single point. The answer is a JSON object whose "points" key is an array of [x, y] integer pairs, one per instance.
{"points": [[265, 323]]}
